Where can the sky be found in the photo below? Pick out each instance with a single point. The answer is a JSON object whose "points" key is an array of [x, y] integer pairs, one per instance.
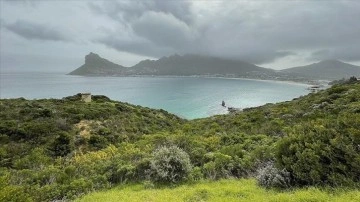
{"points": [[55, 35]]}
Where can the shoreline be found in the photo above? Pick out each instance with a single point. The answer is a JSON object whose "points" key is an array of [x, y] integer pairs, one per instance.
{"points": [[306, 83]]}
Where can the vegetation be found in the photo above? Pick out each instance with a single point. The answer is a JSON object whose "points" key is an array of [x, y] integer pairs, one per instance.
{"points": [[270, 176], [169, 164], [242, 190], [61, 149]]}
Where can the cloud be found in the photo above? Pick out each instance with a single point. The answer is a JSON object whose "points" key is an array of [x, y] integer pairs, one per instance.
{"points": [[261, 32], [264, 56], [150, 28], [139, 46], [22, 2], [163, 30], [257, 31], [348, 53], [126, 11], [29, 30]]}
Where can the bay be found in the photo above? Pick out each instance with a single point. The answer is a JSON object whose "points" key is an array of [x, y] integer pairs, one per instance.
{"points": [[187, 97]]}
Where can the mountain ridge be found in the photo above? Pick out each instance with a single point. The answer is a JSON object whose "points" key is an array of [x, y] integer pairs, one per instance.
{"points": [[326, 69], [190, 64], [176, 65], [199, 65]]}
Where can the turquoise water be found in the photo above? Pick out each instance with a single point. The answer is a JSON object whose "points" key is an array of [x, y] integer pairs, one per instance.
{"points": [[188, 97]]}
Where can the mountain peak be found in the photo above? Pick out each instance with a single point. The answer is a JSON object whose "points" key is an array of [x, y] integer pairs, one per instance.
{"points": [[91, 54], [329, 61], [326, 69], [91, 57], [96, 65]]}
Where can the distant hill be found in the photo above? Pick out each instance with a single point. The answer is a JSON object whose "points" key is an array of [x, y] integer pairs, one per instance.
{"points": [[96, 66], [326, 69], [186, 65], [196, 65]]}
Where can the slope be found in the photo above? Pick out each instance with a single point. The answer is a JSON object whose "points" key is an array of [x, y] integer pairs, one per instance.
{"points": [[59, 149], [186, 65], [327, 69], [97, 66], [197, 65]]}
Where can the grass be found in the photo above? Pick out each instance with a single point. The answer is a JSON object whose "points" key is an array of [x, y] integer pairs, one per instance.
{"points": [[222, 190]]}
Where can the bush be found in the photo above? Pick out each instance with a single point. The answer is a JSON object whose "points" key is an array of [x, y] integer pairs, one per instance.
{"points": [[100, 98], [15, 194], [219, 166], [270, 176], [121, 172], [170, 165], [62, 145], [196, 174], [316, 155], [98, 142]]}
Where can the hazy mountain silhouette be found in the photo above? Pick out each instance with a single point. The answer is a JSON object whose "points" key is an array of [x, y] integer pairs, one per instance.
{"points": [[326, 69], [186, 65], [196, 65], [190, 65], [97, 66]]}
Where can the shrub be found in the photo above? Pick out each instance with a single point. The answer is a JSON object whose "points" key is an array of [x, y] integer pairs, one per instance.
{"points": [[100, 98], [62, 145], [316, 155], [36, 159], [170, 165], [196, 174], [98, 142], [337, 89], [122, 172], [219, 166], [15, 194], [270, 176]]}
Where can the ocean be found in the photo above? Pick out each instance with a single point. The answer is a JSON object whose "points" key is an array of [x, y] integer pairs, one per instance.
{"points": [[187, 97]]}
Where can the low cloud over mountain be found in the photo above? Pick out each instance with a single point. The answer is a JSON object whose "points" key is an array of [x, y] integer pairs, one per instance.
{"points": [[274, 34]]}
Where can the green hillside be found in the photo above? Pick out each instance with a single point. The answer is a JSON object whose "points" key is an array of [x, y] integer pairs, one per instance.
{"points": [[60, 149]]}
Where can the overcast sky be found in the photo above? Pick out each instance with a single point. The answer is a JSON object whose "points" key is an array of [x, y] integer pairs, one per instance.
{"points": [[56, 35]]}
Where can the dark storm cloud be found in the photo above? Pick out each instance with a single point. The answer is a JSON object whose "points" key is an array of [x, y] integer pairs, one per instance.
{"points": [[264, 32], [163, 30], [140, 46], [128, 10], [256, 31], [158, 27], [37, 31]]}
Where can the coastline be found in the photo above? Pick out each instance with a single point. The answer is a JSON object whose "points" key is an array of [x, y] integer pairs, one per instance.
{"points": [[307, 83]]}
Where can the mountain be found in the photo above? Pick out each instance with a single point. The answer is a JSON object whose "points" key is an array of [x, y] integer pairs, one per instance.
{"points": [[186, 65], [97, 66], [326, 69], [196, 65]]}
